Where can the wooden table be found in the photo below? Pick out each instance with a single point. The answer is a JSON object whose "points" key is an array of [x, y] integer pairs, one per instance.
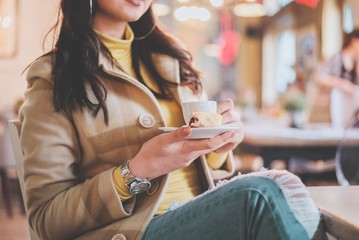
{"points": [[274, 141], [270, 135], [340, 207]]}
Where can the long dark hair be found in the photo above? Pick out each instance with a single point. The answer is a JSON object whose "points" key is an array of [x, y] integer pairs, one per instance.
{"points": [[77, 58], [348, 37]]}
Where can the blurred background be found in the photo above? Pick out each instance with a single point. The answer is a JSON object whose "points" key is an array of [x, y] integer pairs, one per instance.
{"points": [[263, 54], [251, 51]]}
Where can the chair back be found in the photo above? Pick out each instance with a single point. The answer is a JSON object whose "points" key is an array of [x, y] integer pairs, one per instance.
{"points": [[7, 160], [347, 155], [14, 127]]}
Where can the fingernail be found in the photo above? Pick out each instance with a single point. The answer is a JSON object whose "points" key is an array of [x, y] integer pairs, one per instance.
{"points": [[186, 130]]}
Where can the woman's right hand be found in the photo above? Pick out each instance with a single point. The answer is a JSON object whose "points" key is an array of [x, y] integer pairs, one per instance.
{"points": [[168, 152]]}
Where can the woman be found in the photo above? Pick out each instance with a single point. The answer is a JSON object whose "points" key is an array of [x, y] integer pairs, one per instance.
{"points": [[341, 70], [96, 101], [338, 72]]}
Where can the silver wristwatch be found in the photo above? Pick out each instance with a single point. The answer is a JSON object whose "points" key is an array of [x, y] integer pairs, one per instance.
{"points": [[134, 184]]}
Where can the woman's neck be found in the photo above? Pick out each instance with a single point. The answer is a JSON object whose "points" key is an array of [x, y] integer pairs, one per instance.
{"points": [[108, 26]]}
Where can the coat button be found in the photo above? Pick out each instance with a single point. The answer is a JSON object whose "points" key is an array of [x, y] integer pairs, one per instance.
{"points": [[119, 237], [146, 120]]}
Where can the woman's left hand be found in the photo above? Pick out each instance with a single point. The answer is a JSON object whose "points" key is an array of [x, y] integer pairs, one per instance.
{"points": [[230, 117]]}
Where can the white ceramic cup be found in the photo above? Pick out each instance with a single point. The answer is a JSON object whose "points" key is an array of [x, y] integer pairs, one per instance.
{"points": [[198, 106]]}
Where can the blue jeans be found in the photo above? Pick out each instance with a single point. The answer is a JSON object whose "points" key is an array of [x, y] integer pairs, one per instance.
{"points": [[246, 208]]}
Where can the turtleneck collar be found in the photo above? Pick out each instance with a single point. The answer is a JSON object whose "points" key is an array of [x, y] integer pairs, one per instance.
{"points": [[119, 48]]}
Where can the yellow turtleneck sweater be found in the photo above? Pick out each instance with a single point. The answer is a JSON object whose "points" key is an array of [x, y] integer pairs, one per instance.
{"points": [[183, 183]]}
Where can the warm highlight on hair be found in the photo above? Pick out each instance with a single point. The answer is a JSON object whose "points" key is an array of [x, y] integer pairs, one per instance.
{"points": [[76, 59], [348, 37]]}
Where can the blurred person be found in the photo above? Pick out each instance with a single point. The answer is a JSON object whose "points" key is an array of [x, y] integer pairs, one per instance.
{"points": [[339, 72], [96, 166]]}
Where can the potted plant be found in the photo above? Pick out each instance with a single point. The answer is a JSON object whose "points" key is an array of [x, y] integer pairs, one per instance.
{"points": [[294, 102]]}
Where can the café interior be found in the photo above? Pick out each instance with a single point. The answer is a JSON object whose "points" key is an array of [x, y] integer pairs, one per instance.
{"points": [[266, 55]]}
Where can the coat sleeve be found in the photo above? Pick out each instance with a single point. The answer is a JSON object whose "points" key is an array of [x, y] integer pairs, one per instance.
{"points": [[60, 206], [227, 170]]}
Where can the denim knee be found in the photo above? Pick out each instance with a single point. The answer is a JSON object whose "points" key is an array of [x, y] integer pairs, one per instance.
{"points": [[261, 184], [276, 201], [296, 195]]}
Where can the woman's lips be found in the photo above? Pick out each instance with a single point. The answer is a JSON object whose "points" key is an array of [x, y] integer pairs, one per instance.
{"points": [[135, 2]]}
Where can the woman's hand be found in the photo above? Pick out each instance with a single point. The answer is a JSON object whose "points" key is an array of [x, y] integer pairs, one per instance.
{"points": [[330, 82], [168, 152], [230, 117], [346, 87]]}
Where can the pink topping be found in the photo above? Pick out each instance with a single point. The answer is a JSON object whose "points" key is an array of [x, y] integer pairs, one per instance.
{"points": [[193, 120]]}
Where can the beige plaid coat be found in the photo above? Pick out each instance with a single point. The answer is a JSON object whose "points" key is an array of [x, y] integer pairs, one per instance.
{"points": [[68, 164]]}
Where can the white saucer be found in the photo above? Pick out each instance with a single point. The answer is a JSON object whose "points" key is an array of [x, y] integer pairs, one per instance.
{"points": [[199, 133]]}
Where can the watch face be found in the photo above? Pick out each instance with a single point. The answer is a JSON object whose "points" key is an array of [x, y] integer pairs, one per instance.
{"points": [[138, 186]]}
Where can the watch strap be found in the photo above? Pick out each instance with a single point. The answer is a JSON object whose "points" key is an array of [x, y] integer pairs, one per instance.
{"points": [[125, 172], [120, 185], [135, 185]]}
